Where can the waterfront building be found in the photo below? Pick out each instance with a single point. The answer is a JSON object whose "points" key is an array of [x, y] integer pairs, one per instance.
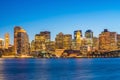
{"points": [[21, 41], [84, 50], [7, 40], [16, 29], [107, 40], [78, 38], [59, 41], [39, 42], [118, 41], [42, 41], [67, 41], [113, 40], [89, 38], [1, 43], [47, 36], [59, 52], [63, 41], [71, 53]]}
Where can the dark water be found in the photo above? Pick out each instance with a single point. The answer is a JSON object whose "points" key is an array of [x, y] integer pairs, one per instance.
{"points": [[60, 69]]}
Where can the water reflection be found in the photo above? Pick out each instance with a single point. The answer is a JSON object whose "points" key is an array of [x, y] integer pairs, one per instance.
{"points": [[60, 69]]}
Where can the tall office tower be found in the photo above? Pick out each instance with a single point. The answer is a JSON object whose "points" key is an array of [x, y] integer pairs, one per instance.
{"points": [[1, 43], [107, 40], [89, 34], [42, 41], [7, 40], [47, 36], [16, 29], [89, 37], [21, 41], [78, 38], [67, 41], [59, 41]]}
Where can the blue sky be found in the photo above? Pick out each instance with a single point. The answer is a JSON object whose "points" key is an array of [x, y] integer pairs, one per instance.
{"points": [[59, 16]]}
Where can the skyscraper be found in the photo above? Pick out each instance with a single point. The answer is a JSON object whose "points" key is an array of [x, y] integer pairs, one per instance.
{"points": [[89, 37], [59, 41], [67, 41], [63, 41], [78, 38], [89, 34], [108, 40], [16, 29], [7, 40], [77, 33], [21, 41], [42, 41]]}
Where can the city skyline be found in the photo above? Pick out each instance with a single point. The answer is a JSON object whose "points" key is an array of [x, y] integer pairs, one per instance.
{"points": [[59, 16]]}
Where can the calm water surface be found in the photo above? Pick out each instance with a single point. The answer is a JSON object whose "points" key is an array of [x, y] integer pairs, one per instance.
{"points": [[60, 69]]}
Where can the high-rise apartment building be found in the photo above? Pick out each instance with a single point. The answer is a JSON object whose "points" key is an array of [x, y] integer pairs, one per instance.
{"points": [[16, 29], [21, 41], [107, 40], [7, 40]]}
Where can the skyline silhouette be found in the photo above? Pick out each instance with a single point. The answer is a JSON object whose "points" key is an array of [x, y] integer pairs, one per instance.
{"points": [[59, 16]]}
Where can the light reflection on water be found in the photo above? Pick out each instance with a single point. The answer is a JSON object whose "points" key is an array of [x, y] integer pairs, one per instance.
{"points": [[60, 69]]}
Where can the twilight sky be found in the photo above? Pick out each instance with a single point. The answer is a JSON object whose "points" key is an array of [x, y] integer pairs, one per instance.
{"points": [[59, 16]]}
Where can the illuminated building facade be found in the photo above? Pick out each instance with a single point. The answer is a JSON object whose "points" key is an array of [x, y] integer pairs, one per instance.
{"points": [[32, 46], [59, 41], [42, 41], [67, 41], [16, 30], [118, 41], [89, 34], [1, 43], [7, 40], [95, 43], [21, 41], [107, 40], [63, 41], [89, 37], [78, 39], [52, 46]]}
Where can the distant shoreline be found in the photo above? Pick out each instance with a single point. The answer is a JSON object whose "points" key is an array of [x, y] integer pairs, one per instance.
{"points": [[28, 57]]}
